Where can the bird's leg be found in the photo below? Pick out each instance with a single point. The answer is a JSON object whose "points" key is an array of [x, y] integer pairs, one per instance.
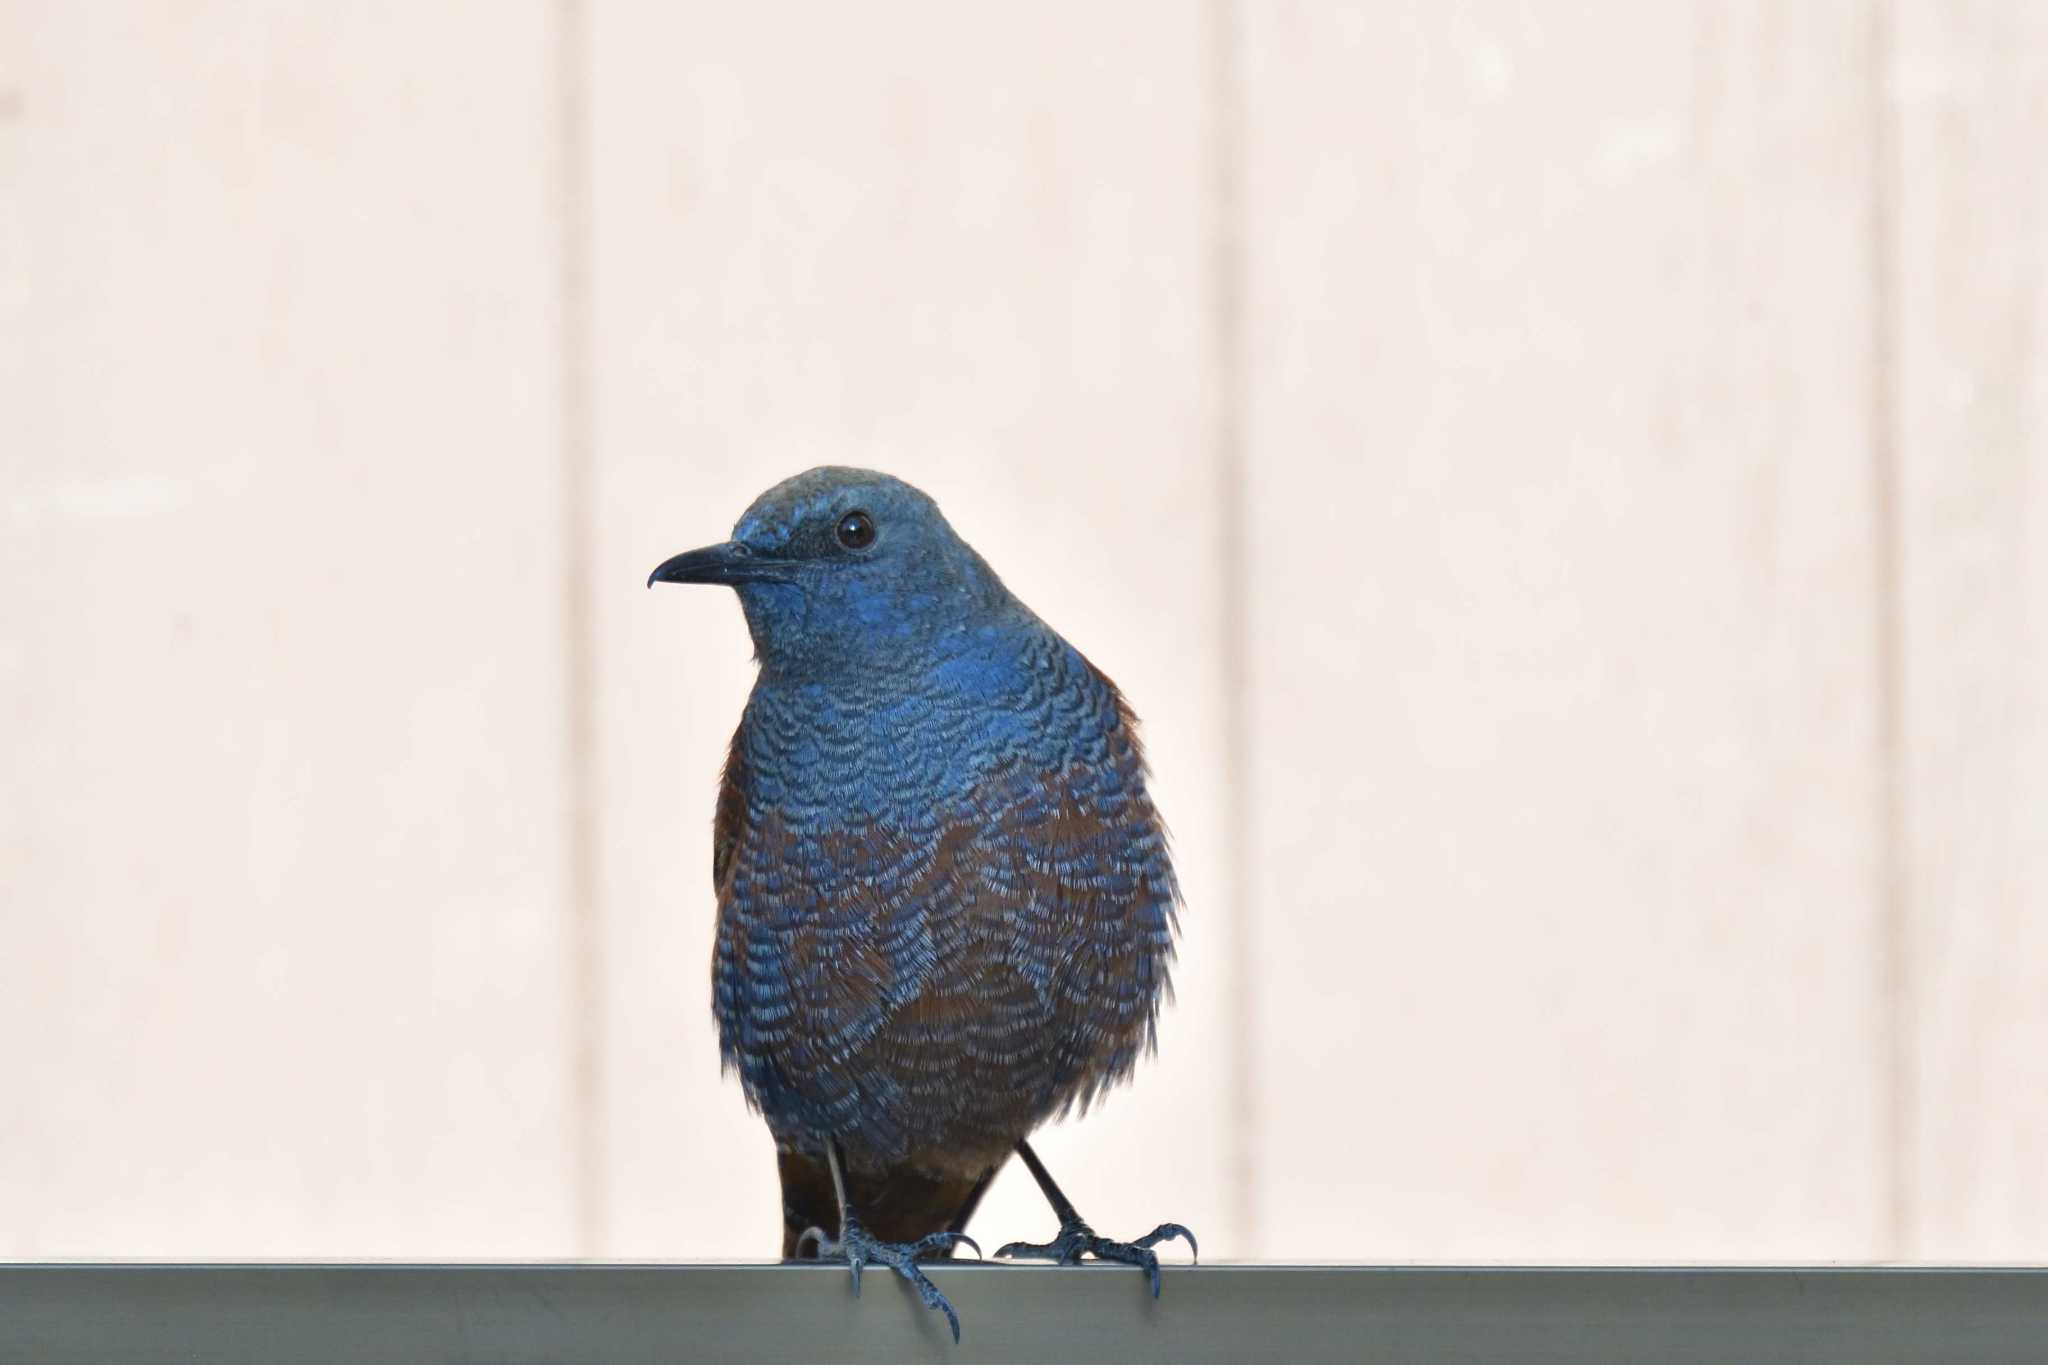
{"points": [[860, 1249], [1076, 1239]]}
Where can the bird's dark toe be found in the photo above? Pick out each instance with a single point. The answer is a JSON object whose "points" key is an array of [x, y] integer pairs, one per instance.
{"points": [[1166, 1232], [941, 1243], [1028, 1251], [859, 1249], [1067, 1248], [1077, 1239], [1128, 1253], [929, 1292]]}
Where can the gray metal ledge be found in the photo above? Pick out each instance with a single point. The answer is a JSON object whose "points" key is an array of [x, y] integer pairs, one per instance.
{"points": [[631, 1314]]}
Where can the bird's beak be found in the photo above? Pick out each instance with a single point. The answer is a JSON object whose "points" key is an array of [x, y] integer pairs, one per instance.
{"points": [[729, 563]]}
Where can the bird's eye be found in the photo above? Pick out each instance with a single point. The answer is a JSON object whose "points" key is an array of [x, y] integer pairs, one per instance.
{"points": [[856, 530]]}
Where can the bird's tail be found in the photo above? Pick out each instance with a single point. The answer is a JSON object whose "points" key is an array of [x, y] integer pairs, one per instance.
{"points": [[898, 1205]]}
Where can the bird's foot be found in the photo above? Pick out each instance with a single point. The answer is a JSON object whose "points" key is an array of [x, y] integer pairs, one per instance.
{"points": [[1077, 1239], [859, 1250]]}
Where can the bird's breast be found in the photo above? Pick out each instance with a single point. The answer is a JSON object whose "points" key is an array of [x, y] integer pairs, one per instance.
{"points": [[889, 750]]}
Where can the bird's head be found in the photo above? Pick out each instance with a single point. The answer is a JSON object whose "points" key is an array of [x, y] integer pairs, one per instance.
{"points": [[846, 568]]}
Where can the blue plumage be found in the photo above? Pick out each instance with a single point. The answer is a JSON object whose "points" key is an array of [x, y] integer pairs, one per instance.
{"points": [[946, 904]]}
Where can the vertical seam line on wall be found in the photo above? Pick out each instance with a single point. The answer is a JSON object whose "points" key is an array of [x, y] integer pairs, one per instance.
{"points": [[1895, 997], [1228, 365], [585, 926]]}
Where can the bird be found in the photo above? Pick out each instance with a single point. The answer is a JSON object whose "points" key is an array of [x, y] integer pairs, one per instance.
{"points": [[946, 905]]}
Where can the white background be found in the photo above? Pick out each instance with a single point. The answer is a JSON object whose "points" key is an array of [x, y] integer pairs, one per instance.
{"points": [[1565, 491]]}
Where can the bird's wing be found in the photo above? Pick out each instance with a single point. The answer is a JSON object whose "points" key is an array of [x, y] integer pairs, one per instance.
{"points": [[1107, 871], [730, 819]]}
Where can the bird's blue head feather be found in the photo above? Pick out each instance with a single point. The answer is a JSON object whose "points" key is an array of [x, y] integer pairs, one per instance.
{"points": [[842, 568]]}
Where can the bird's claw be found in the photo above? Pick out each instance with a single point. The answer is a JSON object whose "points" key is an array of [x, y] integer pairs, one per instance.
{"points": [[859, 1250], [1077, 1239]]}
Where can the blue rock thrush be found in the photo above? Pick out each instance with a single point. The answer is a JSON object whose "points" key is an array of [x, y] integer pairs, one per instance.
{"points": [[945, 905]]}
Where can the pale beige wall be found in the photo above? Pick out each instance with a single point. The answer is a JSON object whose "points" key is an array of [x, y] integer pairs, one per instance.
{"points": [[1563, 488]]}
